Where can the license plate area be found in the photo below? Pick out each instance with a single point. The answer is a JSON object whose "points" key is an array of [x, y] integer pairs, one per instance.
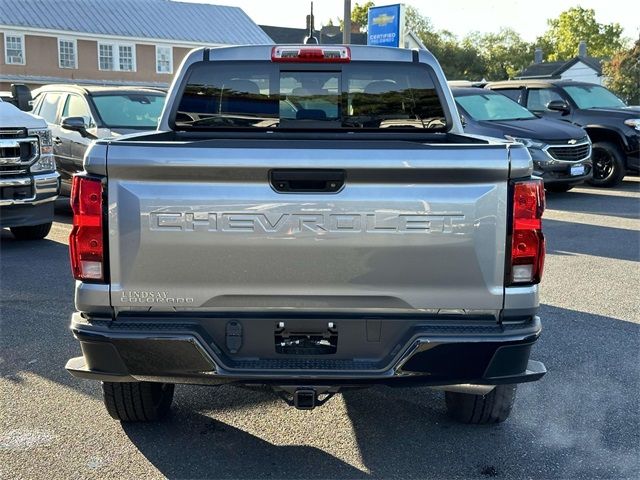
{"points": [[18, 192], [577, 170], [292, 340]]}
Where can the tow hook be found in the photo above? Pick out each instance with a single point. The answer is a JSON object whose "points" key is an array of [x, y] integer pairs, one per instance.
{"points": [[305, 397]]}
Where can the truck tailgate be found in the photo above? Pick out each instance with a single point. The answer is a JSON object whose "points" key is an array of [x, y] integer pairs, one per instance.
{"points": [[415, 228]]}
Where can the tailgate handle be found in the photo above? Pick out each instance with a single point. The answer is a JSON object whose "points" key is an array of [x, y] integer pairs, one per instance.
{"points": [[307, 181]]}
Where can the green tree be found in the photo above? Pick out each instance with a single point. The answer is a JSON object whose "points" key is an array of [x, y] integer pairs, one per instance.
{"points": [[457, 61], [417, 23], [623, 74], [560, 41], [504, 53], [360, 14]]}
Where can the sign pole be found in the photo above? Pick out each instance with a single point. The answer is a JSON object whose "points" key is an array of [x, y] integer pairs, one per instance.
{"points": [[346, 29]]}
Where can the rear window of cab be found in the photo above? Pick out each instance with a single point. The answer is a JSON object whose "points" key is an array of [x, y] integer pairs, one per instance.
{"points": [[266, 95]]}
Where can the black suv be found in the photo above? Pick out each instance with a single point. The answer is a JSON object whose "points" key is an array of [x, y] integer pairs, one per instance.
{"points": [[614, 128], [77, 115]]}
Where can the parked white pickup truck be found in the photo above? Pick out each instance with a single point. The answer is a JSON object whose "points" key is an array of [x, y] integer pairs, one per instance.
{"points": [[29, 182]]}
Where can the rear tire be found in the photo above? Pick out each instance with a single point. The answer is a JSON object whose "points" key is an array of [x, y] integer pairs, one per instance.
{"points": [[33, 232], [608, 165], [558, 188], [137, 401], [494, 407]]}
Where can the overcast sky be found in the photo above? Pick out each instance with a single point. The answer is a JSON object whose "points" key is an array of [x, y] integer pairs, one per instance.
{"points": [[528, 17]]}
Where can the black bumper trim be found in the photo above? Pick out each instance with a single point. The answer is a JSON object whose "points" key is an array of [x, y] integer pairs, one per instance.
{"points": [[434, 355], [26, 215]]}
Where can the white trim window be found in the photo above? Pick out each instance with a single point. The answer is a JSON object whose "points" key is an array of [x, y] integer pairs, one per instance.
{"points": [[116, 57], [105, 56], [67, 53], [126, 58], [14, 49], [164, 59]]}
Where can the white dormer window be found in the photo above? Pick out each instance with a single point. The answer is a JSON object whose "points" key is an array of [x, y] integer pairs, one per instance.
{"points": [[126, 58], [14, 49], [67, 53], [105, 56], [164, 59]]}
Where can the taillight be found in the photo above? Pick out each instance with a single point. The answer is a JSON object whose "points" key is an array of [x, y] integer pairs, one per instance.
{"points": [[86, 242], [313, 54], [527, 240]]}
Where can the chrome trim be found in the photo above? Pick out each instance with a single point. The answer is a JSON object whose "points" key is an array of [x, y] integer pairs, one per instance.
{"points": [[11, 132], [15, 182], [546, 148], [46, 187], [15, 143]]}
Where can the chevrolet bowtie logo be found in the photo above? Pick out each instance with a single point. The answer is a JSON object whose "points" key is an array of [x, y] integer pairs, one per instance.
{"points": [[573, 141], [383, 19]]}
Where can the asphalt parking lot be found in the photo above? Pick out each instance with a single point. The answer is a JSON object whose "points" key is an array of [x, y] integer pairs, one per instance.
{"points": [[582, 420]]}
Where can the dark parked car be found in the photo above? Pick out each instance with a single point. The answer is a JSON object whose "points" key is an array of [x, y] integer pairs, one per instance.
{"points": [[77, 115], [614, 128], [561, 152]]}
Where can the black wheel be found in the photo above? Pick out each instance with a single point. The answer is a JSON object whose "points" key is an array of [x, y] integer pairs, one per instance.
{"points": [[494, 407], [34, 232], [137, 401], [558, 188], [608, 165]]}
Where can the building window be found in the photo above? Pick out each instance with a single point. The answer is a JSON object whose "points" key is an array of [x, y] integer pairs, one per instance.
{"points": [[14, 49], [117, 57], [125, 57], [164, 59], [67, 57], [105, 56]]}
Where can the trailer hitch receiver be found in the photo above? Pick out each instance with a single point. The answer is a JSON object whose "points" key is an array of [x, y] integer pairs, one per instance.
{"points": [[305, 397]]}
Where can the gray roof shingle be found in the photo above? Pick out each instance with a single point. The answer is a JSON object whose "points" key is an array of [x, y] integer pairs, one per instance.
{"points": [[284, 35], [554, 69], [157, 19]]}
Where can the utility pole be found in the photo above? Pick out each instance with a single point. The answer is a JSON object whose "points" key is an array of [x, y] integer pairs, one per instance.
{"points": [[346, 29]]}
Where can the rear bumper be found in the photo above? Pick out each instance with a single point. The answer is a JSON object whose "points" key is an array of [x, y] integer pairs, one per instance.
{"points": [[433, 354]]}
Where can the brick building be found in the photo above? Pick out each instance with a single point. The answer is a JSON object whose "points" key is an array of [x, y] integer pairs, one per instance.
{"points": [[111, 42]]}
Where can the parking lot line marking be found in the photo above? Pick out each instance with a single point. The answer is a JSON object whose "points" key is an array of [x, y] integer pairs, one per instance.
{"points": [[597, 220]]}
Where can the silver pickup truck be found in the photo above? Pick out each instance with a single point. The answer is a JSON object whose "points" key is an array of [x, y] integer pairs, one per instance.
{"points": [[313, 219]]}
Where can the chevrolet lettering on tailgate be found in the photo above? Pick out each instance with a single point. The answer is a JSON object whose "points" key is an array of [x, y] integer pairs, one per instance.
{"points": [[299, 222]]}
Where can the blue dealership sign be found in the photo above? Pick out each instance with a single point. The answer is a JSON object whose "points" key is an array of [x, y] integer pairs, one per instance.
{"points": [[385, 27]]}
